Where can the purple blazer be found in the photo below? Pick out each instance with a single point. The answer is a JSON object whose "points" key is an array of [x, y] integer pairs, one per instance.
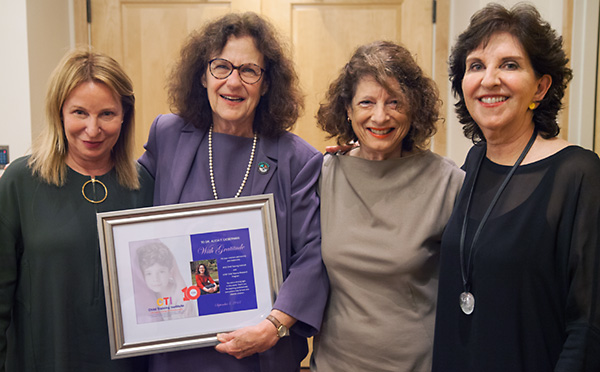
{"points": [[292, 179]]}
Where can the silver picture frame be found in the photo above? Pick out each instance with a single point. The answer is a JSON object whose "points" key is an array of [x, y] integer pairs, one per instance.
{"points": [[150, 257]]}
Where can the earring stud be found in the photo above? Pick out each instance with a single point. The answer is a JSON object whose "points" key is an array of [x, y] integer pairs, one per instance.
{"points": [[532, 106]]}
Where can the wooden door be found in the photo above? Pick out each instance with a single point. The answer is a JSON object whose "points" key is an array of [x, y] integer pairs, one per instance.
{"points": [[324, 34], [145, 37]]}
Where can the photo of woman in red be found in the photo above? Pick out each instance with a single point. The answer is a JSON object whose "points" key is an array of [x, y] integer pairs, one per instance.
{"points": [[204, 281]]}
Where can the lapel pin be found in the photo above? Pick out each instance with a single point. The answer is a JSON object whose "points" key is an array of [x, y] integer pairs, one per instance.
{"points": [[263, 167]]}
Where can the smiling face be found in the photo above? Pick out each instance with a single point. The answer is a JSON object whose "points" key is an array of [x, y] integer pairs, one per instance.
{"points": [[92, 118], [379, 119], [234, 102], [201, 269], [157, 277], [498, 86]]}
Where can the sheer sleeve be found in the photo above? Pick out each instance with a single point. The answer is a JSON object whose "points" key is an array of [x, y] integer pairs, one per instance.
{"points": [[579, 231]]}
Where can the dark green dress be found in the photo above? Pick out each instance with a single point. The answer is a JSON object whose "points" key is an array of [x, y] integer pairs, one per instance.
{"points": [[52, 310]]}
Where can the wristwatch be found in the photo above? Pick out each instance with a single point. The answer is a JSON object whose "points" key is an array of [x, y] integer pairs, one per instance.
{"points": [[282, 330]]}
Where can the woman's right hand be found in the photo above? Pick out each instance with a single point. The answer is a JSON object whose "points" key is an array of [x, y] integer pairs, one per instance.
{"points": [[342, 148]]}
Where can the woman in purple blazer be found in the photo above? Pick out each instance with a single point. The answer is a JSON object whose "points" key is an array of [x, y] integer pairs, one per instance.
{"points": [[235, 95]]}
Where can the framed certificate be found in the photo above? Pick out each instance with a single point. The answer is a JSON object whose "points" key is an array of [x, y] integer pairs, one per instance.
{"points": [[176, 275]]}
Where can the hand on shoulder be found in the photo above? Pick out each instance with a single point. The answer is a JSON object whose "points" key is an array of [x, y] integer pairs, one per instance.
{"points": [[342, 148]]}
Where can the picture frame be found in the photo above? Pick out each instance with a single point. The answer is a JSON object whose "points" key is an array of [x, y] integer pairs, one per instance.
{"points": [[155, 261]]}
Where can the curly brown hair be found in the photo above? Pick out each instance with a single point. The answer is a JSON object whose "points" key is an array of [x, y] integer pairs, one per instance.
{"points": [[382, 60], [277, 110], [543, 47]]}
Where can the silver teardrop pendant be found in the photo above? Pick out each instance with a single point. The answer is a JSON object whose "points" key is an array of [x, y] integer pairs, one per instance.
{"points": [[467, 302]]}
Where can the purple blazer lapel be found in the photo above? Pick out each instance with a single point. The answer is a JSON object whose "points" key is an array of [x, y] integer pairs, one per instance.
{"points": [[266, 164], [185, 154]]}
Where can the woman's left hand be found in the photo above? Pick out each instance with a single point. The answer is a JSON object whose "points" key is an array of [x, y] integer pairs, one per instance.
{"points": [[248, 340]]}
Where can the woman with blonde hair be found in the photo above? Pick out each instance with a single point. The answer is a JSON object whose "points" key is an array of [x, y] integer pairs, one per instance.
{"points": [[52, 310]]}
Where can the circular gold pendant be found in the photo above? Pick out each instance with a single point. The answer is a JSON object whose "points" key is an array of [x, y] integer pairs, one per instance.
{"points": [[93, 181]]}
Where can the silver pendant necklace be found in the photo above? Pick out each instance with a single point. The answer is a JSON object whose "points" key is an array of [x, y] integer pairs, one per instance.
{"points": [[210, 165], [466, 298]]}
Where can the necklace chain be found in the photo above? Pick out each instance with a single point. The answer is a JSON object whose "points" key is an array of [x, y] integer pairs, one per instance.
{"points": [[210, 165], [467, 300]]}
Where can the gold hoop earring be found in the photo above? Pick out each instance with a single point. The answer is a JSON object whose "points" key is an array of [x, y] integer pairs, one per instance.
{"points": [[532, 106]]}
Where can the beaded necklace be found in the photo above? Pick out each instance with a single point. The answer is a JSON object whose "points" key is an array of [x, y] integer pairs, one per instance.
{"points": [[210, 165]]}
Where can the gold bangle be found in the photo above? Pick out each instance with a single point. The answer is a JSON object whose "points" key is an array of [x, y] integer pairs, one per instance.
{"points": [[94, 180]]}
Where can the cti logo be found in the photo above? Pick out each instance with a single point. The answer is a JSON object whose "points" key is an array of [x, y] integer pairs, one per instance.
{"points": [[165, 301]]}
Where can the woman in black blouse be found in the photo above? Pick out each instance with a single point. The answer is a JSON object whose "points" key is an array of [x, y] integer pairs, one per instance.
{"points": [[520, 256]]}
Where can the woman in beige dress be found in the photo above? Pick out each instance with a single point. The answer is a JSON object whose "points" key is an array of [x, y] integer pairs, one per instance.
{"points": [[384, 205]]}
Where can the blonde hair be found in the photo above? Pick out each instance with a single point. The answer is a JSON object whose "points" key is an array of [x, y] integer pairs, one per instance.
{"points": [[50, 148]]}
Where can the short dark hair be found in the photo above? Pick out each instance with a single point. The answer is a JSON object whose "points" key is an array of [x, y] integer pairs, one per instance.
{"points": [[543, 47], [382, 60], [278, 108]]}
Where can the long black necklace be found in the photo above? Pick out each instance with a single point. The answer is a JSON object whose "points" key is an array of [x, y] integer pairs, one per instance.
{"points": [[467, 300]]}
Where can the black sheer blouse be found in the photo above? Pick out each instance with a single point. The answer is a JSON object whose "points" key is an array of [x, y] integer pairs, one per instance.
{"points": [[534, 271]]}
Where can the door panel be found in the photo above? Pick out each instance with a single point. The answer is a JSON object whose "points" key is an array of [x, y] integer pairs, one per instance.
{"points": [[149, 51], [324, 34], [145, 37]]}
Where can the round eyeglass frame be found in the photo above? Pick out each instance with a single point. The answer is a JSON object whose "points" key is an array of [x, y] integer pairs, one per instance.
{"points": [[234, 67]]}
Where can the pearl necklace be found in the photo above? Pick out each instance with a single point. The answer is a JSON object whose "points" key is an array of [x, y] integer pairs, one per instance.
{"points": [[210, 165]]}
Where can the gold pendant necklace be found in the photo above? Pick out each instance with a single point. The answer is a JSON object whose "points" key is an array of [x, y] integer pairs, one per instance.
{"points": [[93, 181]]}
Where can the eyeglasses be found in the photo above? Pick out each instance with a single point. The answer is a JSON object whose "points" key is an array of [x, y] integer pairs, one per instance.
{"points": [[220, 68]]}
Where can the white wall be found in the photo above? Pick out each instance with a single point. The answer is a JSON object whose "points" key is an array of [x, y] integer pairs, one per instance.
{"points": [[34, 34], [584, 52], [49, 38], [15, 128]]}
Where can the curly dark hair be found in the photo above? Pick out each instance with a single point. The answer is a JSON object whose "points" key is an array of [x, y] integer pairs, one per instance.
{"points": [[543, 47], [277, 110], [382, 60]]}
